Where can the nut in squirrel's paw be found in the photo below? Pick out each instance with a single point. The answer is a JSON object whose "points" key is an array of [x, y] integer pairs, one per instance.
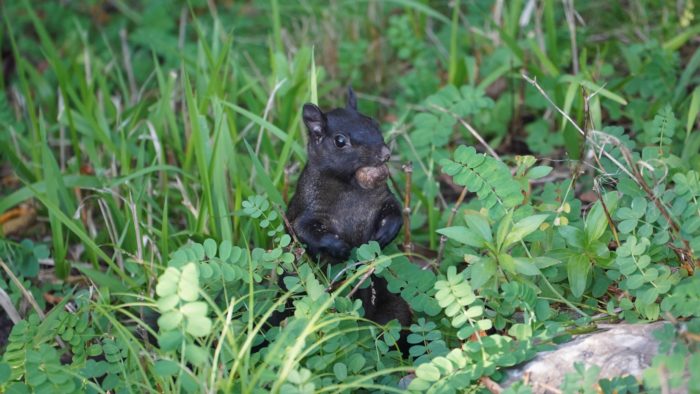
{"points": [[371, 177]]}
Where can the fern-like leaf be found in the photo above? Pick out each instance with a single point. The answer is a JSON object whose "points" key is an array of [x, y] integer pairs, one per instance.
{"points": [[489, 178]]}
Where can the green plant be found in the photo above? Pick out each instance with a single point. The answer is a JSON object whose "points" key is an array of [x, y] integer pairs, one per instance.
{"points": [[159, 142]]}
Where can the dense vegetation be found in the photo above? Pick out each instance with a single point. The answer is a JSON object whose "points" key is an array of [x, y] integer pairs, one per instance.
{"points": [[147, 150]]}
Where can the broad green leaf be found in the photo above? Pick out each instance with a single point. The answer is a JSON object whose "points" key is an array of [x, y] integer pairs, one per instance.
{"points": [[526, 266], [197, 308], [188, 288], [356, 362], [635, 281], [428, 372], [574, 236], [5, 372], [225, 249], [482, 270], [577, 269], [542, 262], [479, 225], [170, 320], [168, 302], [520, 331], [464, 292], [196, 355], [419, 385], [474, 312], [210, 248], [648, 296], [314, 287], [504, 228], [341, 371], [170, 340], [166, 367], [507, 263], [167, 282], [523, 228], [538, 172], [463, 235], [626, 226], [597, 221], [443, 364], [484, 324], [198, 326]]}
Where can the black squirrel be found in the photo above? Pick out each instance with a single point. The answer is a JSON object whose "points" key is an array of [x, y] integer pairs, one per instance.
{"points": [[342, 200]]}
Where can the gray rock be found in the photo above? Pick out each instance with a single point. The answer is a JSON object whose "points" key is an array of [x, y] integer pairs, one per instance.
{"points": [[620, 349]]}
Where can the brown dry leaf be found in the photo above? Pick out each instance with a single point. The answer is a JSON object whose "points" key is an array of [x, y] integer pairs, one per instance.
{"points": [[17, 219], [589, 196], [52, 299]]}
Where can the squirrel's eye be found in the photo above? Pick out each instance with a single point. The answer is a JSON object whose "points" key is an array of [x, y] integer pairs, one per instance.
{"points": [[340, 141]]}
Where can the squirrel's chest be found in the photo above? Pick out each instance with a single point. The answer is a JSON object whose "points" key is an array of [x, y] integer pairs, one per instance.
{"points": [[353, 214]]}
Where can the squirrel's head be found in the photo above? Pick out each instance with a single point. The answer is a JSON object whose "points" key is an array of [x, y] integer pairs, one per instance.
{"points": [[343, 140]]}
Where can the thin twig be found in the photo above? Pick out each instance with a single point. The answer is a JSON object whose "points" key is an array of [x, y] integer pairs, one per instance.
{"points": [[332, 286], [299, 250], [288, 224], [547, 388], [25, 293], [490, 385], [362, 280], [443, 239], [471, 129], [407, 245], [29, 297], [6, 304], [611, 223]]}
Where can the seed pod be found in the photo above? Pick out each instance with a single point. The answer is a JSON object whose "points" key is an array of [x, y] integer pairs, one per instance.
{"points": [[372, 177]]}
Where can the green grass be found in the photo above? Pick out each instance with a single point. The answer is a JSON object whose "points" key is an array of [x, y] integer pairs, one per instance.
{"points": [[137, 128]]}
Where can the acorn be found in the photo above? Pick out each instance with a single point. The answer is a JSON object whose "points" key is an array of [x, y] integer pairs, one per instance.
{"points": [[372, 177]]}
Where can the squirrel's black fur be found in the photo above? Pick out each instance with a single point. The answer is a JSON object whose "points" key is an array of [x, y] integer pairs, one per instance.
{"points": [[331, 213]]}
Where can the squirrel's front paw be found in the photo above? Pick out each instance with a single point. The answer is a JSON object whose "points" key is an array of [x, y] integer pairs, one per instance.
{"points": [[388, 228], [335, 246]]}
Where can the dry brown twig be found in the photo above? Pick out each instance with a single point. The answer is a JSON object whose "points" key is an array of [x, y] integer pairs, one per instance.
{"points": [[453, 213], [490, 385]]}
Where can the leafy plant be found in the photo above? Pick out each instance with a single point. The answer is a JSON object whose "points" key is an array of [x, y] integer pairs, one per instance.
{"points": [[160, 141]]}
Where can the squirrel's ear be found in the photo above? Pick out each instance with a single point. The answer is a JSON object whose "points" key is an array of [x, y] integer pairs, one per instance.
{"points": [[352, 100], [314, 120]]}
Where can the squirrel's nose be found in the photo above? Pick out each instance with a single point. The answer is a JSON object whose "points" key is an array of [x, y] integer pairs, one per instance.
{"points": [[385, 153]]}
